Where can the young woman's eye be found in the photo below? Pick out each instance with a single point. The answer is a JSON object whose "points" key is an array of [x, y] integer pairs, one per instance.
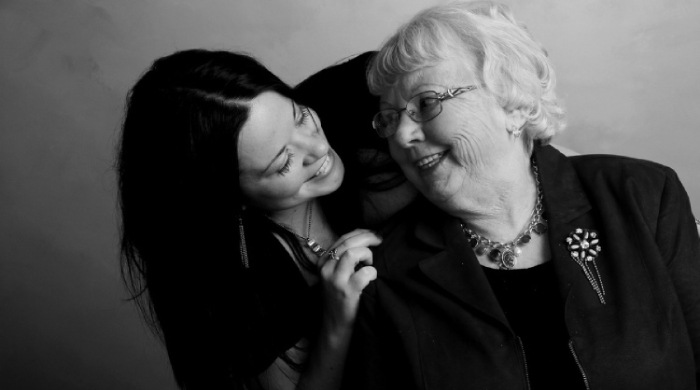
{"points": [[287, 165]]}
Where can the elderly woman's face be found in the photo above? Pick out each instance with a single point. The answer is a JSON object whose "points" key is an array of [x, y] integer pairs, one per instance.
{"points": [[444, 156]]}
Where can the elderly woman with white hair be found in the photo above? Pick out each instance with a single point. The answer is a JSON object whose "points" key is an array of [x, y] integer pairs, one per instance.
{"points": [[520, 268]]}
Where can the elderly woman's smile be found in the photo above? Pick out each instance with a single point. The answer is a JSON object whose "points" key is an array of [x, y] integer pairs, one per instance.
{"points": [[430, 161]]}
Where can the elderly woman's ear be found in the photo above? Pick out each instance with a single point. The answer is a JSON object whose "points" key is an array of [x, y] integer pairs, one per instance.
{"points": [[515, 120]]}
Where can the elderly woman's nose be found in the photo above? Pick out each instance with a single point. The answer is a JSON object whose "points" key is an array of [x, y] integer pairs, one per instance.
{"points": [[408, 132]]}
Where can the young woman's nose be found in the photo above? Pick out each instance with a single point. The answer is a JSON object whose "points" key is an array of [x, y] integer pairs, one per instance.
{"points": [[315, 147]]}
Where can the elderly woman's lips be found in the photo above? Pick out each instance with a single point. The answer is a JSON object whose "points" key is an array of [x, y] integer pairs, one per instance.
{"points": [[429, 161]]}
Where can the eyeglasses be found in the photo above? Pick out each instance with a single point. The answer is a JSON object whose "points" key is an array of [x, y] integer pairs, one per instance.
{"points": [[420, 108]]}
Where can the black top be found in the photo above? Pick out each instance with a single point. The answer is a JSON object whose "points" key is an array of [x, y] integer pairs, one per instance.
{"points": [[283, 309], [531, 303]]}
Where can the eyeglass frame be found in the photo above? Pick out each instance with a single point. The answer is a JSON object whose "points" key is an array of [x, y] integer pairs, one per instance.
{"points": [[448, 94]]}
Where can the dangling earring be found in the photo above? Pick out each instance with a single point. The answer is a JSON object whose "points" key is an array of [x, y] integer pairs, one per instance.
{"points": [[516, 132], [241, 244]]}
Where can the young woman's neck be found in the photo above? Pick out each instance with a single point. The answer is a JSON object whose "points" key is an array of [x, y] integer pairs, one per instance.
{"points": [[306, 220]]}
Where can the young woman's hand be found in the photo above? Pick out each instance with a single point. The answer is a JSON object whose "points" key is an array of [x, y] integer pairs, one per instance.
{"points": [[347, 270]]}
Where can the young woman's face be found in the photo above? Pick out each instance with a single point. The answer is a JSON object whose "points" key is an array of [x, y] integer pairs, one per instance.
{"points": [[284, 158]]}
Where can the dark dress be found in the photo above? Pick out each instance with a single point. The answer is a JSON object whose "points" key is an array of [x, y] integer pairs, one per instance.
{"points": [[432, 321]]}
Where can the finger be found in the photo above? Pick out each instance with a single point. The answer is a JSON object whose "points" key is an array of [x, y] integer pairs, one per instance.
{"points": [[349, 236], [350, 260], [352, 234], [332, 256], [361, 278], [366, 238], [330, 261]]}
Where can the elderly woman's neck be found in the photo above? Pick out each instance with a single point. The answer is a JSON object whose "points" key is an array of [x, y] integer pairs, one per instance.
{"points": [[499, 208]]}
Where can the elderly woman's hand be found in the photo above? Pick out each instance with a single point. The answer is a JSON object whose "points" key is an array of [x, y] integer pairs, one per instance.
{"points": [[345, 273]]}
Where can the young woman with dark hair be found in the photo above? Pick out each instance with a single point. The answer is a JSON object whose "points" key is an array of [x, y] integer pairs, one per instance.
{"points": [[374, 186], [226, 244]]}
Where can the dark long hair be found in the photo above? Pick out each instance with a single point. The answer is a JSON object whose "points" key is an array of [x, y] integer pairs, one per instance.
{"points": [[180, 205], [343, 102]]}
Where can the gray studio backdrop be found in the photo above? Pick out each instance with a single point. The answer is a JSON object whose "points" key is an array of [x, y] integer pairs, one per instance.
{"points": [[627, 71]]}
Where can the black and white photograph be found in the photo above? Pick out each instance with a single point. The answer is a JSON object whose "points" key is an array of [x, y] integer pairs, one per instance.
{"points": [[349, 195]]}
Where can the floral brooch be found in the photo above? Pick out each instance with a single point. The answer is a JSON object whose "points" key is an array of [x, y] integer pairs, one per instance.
{"points": [[584, 247]]}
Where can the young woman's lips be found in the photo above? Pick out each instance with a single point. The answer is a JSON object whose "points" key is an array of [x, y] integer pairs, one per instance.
{"points": [[429, 161], [325, 167]]}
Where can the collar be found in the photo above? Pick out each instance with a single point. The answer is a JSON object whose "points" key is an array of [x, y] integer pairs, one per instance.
{"points": [[564, 196]]}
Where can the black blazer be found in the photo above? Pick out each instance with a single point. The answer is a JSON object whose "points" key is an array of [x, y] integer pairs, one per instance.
{"points": [[431, 320]]}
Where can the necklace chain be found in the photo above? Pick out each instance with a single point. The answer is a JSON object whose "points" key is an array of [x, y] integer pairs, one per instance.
{"points": [[314, 246], [506, 253]]}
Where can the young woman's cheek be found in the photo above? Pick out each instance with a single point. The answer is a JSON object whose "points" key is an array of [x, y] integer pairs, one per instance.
{"points": [[272, 190], [287, 187]]}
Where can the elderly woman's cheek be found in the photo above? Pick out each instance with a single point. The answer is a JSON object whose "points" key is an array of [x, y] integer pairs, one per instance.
{"points": [[466, 152], [471, 149]]}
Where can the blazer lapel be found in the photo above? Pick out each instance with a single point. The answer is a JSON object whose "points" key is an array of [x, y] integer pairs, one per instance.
{"points": [[566, 209], [455, 268]]}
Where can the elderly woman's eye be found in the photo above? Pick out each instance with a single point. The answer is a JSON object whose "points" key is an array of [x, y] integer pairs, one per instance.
{"points": [[427, 103]]}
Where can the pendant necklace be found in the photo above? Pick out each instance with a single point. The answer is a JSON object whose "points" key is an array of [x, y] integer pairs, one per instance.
{"points": [[310, 243], [505, 254]]}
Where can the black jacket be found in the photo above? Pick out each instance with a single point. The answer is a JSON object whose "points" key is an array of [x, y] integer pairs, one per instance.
{"points": [[431, 320]]}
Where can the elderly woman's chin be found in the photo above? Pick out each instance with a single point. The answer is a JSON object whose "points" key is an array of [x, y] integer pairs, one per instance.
{"points": [[439, 183]]}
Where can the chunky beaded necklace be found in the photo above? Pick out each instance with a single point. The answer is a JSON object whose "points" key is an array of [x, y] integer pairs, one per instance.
{"points": [[505, 254]]}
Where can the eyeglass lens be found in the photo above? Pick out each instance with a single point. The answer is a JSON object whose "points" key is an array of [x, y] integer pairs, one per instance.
{"points": [[422, 107]]}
